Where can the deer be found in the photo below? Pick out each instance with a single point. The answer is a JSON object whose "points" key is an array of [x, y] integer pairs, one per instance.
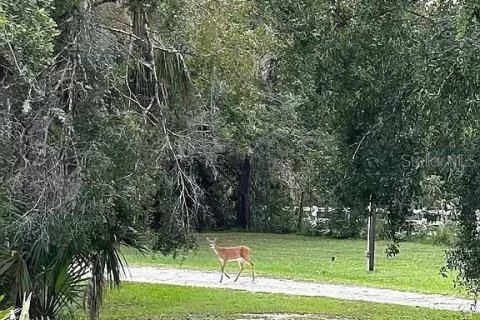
{"points": [[241, 254]]}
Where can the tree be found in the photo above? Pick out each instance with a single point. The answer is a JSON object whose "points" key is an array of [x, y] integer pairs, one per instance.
{"points": [[85, 156], [341, 59], [450, 87], [229, 42]]}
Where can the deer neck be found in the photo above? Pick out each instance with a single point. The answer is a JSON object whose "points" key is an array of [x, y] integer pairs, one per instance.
{"points": [[215, 250]]}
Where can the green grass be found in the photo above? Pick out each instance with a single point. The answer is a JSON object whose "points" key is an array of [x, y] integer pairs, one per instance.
{"points": [[152, 301], [416, 268]]}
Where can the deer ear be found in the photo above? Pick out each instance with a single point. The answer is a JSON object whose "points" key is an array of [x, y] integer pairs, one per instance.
{"points": [[208, 238], [214, 239]]}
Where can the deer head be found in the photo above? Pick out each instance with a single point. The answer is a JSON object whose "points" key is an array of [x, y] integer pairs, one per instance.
{"points": [[212, 243]]}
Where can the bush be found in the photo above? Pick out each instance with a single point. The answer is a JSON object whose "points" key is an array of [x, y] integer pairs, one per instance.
{"points": [[435, 234], [345, 224], [6, 314], [274, 208], [281, 220], [339, 223]]}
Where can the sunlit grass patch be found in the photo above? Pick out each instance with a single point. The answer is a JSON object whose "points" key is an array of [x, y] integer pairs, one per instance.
{"points": [[153, 301]]}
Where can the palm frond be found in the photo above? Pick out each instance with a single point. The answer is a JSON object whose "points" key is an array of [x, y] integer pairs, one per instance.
{"points": [[173, 73], [5, 314], [24, 315], [108, 264]]}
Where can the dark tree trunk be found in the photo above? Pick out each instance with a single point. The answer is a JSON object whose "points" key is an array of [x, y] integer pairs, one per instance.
{"points": [[141, 80], [243, 198]]}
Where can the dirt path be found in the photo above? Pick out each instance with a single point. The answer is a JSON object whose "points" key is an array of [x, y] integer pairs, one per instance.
{"points": [[270, 285]]}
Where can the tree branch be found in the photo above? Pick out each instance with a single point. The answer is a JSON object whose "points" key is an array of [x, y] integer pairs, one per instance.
{"points": [[131, 35], [420, 15], [98, 3]]}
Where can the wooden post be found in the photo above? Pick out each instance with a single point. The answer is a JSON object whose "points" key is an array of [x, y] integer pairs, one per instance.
{"points": [[371, 237]]}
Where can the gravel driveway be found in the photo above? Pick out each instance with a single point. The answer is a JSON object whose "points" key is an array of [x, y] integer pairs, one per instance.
{"points": [[208, 279]]}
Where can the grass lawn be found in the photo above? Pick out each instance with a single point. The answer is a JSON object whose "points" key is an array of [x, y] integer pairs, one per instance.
{"points": [[416, 268], [153, 301]]}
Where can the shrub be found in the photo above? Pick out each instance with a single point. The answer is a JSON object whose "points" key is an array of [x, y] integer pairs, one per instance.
{"points": [[443, 234]]}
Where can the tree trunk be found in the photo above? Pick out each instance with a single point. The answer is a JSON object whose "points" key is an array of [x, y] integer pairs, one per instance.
{"points": [[243, 198], [139, 29], [141, 81]]}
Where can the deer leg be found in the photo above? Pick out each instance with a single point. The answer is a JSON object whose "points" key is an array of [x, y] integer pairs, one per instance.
{"points": [[222, 267], [223, 271], [240, 264], [252, 267]]}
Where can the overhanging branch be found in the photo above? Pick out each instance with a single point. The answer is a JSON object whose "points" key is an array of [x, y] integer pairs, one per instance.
{"points": [[100, 2]]}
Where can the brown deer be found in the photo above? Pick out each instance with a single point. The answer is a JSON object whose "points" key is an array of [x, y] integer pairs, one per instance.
{"points": [[241, 254]]}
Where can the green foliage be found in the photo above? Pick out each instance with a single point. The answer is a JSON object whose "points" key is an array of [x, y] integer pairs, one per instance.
{"points": [[78, 175], [454, 84], [24, 311], [275, 210], [111, 128], [443, 235], [28, 33], [339, 224], [4, 314], [343, 224], [339, 62], [465, 257], [228, 51]]}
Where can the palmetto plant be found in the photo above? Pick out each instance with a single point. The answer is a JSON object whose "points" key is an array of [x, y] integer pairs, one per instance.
{"points": [[5, 314], [64, 277], [85, 136], [10, 313]]}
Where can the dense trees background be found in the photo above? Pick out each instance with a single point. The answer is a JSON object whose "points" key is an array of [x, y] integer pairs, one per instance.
{"points": [[122, 121]]}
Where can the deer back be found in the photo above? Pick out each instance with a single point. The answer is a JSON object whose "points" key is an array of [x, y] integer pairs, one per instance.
{"points": [[233, 253]]}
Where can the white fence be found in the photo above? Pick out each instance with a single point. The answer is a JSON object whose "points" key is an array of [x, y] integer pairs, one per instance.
{"points": [[315, 215]]}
